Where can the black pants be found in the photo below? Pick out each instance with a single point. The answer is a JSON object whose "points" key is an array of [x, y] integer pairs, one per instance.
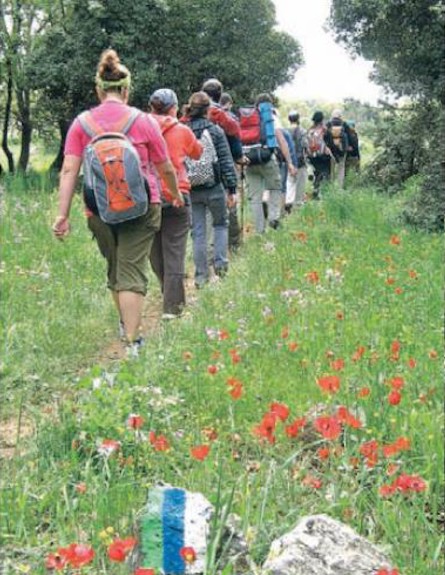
{"points": [[322, 171], [167, 256]]}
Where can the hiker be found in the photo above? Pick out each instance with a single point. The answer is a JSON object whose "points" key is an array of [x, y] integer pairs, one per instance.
{"points": [[295, 187], [169, 246], [210, 194], [261, 137], [319, 154], [282, 164], [338, 142], [221, 116], [125, 246], [353, 154]]}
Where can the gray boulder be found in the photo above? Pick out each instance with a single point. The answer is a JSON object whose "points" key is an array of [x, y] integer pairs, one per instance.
{"points": [[320, 545]]}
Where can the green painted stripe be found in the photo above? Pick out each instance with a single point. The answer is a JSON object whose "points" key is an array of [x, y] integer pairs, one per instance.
{"points": [[151, 544]]}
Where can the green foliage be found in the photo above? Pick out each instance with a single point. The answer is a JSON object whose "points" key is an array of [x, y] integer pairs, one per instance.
{"points": [[405, 39], [378, 283]]}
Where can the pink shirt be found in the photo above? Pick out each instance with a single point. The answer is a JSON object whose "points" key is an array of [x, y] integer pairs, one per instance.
{"points": [[144, 134]]}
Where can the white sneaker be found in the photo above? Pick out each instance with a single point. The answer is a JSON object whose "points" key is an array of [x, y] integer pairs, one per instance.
{"points": [[132, 349], [169, 316]]}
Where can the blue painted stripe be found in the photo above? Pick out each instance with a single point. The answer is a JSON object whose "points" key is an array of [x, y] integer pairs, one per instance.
{"points": [[173, 511]]}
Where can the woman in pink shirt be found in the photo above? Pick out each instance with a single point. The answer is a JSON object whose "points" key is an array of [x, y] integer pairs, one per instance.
{"points": [[169, 247], [126, 246]]}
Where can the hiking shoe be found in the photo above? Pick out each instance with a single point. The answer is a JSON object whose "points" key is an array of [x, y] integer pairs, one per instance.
{"points": [[274, 224], [169, 316], [221, 271], [133, 348]]}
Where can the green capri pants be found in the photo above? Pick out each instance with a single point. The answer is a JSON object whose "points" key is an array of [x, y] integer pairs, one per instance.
{"points": [[126, 248]]}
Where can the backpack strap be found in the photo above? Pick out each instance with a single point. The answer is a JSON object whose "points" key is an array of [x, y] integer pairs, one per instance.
{"points": [[93, 129], [127, 121], [89, 124]]}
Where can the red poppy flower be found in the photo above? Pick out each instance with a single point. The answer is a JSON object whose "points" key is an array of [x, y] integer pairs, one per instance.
{"points": [[266, 429], [433, 354], [281, 410], [108, 447], [369, 448], [77, 554], [406, 483], [236, 390], [324, 452], [292, 346], [338, 364], [200, 452], [301, 236], [55, 561], [328, 427], [223, 334], [135, 421], [397, 382], [385, 571], [412, 363], [144, 571], [81, 487], [363, 392], [346, 417], [359, 352], [159, 442], [387, 490], [412, 274], [395, 397], [329, 383], [285, 332], [313, 277], [120, 548], [293, 429], [188, 554], [395, 240], [311, 481], [212, 369], [390, 281]]}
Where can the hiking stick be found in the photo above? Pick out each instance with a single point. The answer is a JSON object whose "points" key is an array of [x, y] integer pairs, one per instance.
{"points": [[243, 176]]}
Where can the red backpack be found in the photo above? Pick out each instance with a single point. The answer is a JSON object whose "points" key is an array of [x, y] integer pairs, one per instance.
{"points": [[250, 126]]}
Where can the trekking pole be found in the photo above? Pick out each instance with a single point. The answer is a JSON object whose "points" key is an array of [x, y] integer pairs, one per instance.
{"points": [[243, 176]]}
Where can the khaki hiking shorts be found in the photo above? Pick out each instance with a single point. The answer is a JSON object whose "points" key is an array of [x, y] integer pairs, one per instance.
{"points": [[126, 247]]}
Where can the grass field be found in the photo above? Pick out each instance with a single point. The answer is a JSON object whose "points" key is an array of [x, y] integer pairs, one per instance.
{"points": [[309, 380]]}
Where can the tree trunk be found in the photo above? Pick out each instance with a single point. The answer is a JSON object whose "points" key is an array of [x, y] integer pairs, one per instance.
{"points": [[56, 166], [5, 146], [23, 104]]}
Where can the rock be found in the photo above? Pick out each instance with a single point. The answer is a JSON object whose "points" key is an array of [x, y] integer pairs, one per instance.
{"points": [[172, 520], [320, 545]]}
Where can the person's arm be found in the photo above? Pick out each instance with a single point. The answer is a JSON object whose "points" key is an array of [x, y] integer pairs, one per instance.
{"points": [[68, 179], [194, 146], [285, 151], [168, 174]]}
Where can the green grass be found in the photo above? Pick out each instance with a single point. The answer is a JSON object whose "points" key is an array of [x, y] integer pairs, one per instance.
{"points": [[286, 329]]}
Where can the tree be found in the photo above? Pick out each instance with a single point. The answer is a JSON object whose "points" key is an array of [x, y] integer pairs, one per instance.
{"points": [[404, 39]]}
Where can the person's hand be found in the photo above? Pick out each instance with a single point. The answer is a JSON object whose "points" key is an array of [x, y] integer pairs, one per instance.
{"points": [[292, 170], [178, 201], [61, 227], [243, 161], [231, 200]]}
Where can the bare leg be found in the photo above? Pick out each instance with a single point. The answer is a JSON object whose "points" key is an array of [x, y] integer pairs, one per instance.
{"points": [[131, 305]]}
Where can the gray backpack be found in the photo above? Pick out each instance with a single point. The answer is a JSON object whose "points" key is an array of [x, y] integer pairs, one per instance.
{"points": [[201, 172], [114, 185]]}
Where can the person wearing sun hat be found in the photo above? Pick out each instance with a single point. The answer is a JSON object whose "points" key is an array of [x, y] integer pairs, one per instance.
{"points": [[169, 246]]}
